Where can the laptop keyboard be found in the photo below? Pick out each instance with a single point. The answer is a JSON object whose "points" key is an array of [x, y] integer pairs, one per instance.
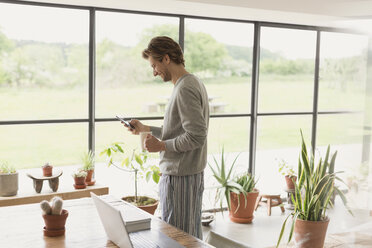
{"points": [[139, 241]]}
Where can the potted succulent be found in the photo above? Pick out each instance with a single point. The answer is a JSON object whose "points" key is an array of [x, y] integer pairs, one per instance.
{"points": [[54, 217], [47, 170], [8, 180], [79, 177], [238, 191], [135, 162], [289, 174], [88, 167], [312, 199]]}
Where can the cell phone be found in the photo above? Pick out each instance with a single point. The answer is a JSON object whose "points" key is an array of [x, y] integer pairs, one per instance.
{"points": [[125, 122]]}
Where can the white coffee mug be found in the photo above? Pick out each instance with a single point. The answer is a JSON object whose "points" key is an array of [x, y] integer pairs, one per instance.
{"points": [[143, 136]]}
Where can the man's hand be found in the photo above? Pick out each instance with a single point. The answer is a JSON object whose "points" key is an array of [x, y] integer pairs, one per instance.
{"points": [[139, 127], [152, 144]]}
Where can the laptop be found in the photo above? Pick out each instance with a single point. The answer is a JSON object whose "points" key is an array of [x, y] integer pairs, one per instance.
{"points": [[114, 225]]}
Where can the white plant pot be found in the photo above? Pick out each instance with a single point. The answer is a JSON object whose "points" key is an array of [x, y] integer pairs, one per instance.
{"points": [[8, 184]]}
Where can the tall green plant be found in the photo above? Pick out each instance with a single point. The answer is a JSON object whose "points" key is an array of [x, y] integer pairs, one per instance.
{"points": [[314, 189], [135, 162], [226, 180]]}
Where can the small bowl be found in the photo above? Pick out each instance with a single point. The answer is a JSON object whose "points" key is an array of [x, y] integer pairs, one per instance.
{"points": [[207, 218]]}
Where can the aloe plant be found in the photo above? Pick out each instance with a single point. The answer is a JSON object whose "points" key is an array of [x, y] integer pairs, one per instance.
{"points": [[314, 189], [227, 181]]}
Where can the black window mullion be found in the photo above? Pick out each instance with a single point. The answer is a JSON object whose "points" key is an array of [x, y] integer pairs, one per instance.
{"points": [[254, 98], [316, 93], [92, 78]]}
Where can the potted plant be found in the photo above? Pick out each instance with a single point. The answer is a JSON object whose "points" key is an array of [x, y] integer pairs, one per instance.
{"points": [[313, 193], [288, 172], [79, 177], [88, 167], [8, 180], [47, 170], [54, 217], [136, 164], [238, 191]]}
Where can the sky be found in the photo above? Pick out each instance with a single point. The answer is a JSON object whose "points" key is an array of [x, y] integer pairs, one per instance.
{"points": [[71, 26]]}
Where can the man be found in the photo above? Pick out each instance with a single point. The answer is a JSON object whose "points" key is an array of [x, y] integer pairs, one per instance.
{"points": [[182, 140]]}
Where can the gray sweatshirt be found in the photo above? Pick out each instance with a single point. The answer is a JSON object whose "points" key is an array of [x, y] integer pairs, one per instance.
{"points": [[185, 128]]}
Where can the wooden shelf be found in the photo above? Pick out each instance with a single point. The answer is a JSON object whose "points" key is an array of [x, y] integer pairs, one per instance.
{"points": [[64, 193]]}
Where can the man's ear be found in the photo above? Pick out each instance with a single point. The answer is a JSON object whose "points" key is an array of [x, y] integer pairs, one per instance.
{"points": [[166, 59]]}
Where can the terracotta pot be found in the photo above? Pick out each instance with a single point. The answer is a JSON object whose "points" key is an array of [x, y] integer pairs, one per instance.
{"points": [[289, 182], [55, 224], [47, 170], [310, 234], [80, 183], [242, 213], [89, 180], [148, 208]]}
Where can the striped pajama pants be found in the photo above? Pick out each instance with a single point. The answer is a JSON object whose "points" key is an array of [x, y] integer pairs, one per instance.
{"points": [[181, 201]]}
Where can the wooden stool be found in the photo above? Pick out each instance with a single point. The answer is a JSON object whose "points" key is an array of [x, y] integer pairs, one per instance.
{"points": [[39, 180], [271, 201]]}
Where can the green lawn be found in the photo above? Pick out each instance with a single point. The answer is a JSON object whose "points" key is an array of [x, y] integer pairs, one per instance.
{"points": [[61, 144]]}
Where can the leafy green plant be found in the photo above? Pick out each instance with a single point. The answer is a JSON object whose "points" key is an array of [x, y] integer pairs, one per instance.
{"points": [[285, 169], [314, 189], [5, 168], [88, 161], [227, 182], [134, 162]]}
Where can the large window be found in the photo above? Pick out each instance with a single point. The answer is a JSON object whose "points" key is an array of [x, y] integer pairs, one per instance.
{"points": [[45, 81]]}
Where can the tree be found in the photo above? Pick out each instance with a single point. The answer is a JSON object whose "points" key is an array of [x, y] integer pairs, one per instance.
{"points": [[202, 52]]}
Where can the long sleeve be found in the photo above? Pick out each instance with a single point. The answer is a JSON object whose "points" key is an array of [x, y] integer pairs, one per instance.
{"points": [[190, 109], [156, 131]]}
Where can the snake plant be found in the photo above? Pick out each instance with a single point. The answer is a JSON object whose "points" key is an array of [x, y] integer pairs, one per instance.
{"points": [[314, 189]]}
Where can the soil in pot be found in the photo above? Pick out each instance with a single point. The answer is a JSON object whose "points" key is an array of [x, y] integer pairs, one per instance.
{"points": [[289, 182], [242, 213], [310, 234], [145, 203]]}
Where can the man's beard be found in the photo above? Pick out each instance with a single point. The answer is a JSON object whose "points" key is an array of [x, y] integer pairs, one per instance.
{"points": [[167, 77]]}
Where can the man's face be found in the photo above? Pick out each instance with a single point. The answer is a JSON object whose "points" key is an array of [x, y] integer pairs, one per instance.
{"points": [[160, 68]]}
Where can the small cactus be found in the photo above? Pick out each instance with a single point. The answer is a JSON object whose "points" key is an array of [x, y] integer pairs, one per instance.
{"points": [[57, 204], [52, 209], [45, 206]]}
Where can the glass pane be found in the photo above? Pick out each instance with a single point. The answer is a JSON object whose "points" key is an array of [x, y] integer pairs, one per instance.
{"points": [[233, 135], [220, 53], [43, 62], [344, 133], [27, 146], [125, 83], [287, 61], [279, 138], [343, 66]]}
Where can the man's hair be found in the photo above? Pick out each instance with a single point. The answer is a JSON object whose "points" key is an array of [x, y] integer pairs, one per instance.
{"points": [[160, 46]]}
